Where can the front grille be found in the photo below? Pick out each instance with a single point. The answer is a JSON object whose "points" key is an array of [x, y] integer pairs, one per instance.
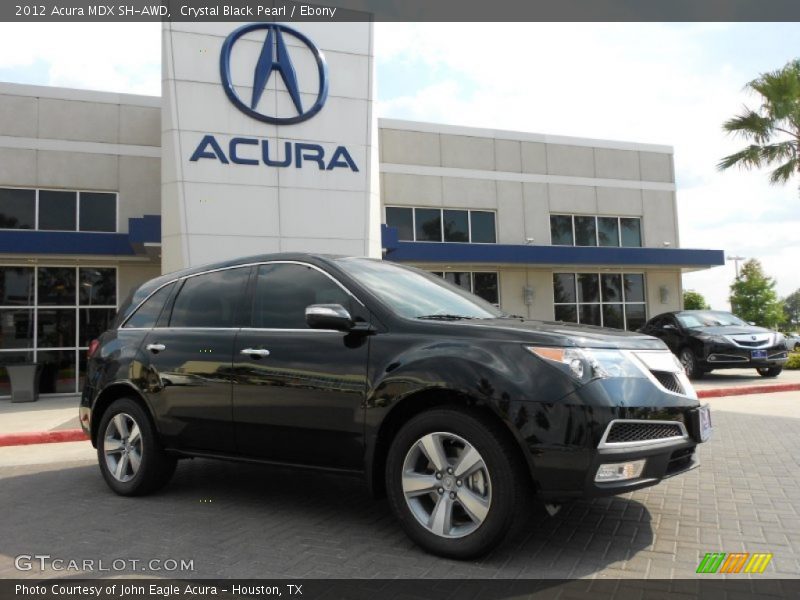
{"points": [[635, 431], [750, 343], [669, 380]]}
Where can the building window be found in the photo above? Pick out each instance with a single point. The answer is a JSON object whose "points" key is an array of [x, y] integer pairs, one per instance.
{"points": [[607, 299], [428, 225], [401, 219], [58, 210], [17, 209], [442, 225], [50, 315], [98, 211], [484, 284], [456, 225], [590, 230]]}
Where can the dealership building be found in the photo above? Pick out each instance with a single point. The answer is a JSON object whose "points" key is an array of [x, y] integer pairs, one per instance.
{"points": [[265, 140]]}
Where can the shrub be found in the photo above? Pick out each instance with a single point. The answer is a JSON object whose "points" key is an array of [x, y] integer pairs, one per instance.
{"points": [[793, 362]]}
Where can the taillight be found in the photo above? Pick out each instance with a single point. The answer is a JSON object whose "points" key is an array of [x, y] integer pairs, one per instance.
{"points": [[93, 346]]}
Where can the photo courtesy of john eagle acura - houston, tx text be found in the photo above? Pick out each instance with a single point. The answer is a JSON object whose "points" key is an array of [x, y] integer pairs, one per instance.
{"points": [[451, 407]]}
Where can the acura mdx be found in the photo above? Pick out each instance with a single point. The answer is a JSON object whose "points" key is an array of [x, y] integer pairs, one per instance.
{"points": [[442, 402]]}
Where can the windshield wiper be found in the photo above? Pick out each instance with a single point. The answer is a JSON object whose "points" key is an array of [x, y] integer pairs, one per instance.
{"points": [[445, 317]]}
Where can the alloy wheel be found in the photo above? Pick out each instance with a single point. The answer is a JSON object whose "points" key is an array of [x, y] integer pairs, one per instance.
{"points": [[122, 446], [687, 361], [446, 485]]}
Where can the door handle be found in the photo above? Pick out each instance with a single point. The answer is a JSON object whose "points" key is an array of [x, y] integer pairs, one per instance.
{"points": [[255, 352], [156, 348]]}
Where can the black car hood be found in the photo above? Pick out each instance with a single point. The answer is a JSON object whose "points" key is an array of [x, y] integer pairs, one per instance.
{"points": [[728, 330], [558, 333]]}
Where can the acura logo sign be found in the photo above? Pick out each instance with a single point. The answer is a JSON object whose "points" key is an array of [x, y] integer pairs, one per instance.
{"points": [[274, 60]]}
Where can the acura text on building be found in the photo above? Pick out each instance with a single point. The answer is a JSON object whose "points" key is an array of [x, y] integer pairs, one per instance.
{"points": [[253, 151]]}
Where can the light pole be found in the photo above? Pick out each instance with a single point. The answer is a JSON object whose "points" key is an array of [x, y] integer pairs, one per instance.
{"points": [[736, 260]]}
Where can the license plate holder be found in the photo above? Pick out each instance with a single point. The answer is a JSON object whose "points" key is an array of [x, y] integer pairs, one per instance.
{"points": [[758, 354]]}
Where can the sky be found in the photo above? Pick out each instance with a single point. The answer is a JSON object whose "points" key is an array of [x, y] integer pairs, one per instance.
{"points": [[671, 84]]}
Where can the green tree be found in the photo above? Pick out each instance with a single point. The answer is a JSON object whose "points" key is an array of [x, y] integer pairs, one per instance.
{"points": [[791, 307], [694, 301], [753, 296], [773, 129]]}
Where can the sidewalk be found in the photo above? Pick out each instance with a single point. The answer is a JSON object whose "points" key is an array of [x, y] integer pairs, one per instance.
{"points": [[46, 414], [746, 381]]}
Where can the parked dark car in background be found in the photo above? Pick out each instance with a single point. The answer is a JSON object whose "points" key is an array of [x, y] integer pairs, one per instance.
{"points": [[441, 401], [705, 340], [793, 341]]}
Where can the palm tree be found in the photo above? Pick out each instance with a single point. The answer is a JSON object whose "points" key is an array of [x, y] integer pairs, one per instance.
{"points": [[773, 129]]}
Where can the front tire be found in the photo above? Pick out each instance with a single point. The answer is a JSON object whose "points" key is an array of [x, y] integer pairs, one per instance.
{"points": [[454, 482], [131, 458], [689, 362], [769, 371]]}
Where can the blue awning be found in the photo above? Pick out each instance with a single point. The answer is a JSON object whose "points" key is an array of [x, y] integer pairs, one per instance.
{"points": [[449, 252], [141, 231]]}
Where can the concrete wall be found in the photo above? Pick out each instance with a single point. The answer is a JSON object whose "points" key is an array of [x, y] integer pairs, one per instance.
{"points": [[69, 139], [92, 141], [131, 276], [526, 180]]}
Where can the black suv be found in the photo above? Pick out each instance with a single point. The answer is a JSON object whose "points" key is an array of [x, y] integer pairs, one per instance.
{"points": [[705, 340], [438, 399]]}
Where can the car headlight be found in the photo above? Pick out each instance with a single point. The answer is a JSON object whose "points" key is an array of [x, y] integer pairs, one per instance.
{"points": [[716, 339], [585, 364], [779, 339]]}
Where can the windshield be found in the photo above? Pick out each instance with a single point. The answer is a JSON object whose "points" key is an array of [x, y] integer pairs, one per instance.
{"points": [[414, 293], [708, 318]]}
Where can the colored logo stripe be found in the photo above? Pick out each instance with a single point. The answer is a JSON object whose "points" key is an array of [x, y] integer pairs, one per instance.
{"points": [[721, 562], [758, 563]]}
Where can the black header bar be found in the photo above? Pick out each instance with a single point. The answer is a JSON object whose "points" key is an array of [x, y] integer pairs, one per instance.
{"points": [[402, 10]]}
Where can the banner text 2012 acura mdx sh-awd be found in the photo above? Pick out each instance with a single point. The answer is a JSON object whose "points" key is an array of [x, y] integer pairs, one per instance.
{"points": [[440, 400]]}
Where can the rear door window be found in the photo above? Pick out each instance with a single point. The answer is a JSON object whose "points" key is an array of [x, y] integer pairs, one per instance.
{"points": [[210, 300]]}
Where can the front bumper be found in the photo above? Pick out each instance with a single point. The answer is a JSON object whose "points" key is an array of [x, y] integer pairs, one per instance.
{"points": [[565, 466], [661, 462], [722, 356]]}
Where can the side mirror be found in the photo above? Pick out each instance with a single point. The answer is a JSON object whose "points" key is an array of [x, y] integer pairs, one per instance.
{"points": [[751, 322], [329, 316]]}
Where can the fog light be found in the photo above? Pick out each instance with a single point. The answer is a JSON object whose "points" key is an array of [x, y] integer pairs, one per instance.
{"points": [[619, 471]]}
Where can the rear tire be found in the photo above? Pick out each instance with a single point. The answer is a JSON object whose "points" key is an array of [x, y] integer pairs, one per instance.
{"points": [[462, 502], [131, 458], [689, 362], [769, 371]]}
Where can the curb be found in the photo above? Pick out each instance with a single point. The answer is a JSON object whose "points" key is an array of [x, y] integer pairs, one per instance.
{"points": [[42, 437], [752, 389]]}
